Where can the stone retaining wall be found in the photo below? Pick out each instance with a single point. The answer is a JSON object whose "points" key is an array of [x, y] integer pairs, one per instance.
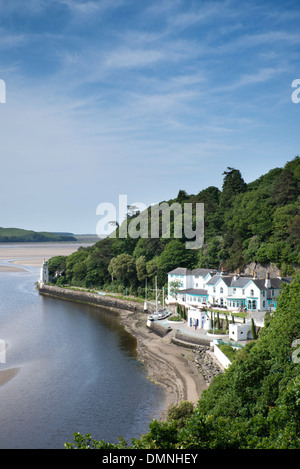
{"points": [[206, 364], [191, 339], [108, 302], [159, 329]]}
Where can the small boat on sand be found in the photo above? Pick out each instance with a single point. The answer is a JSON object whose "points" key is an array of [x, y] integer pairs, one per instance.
{"points": [[163, 313]]}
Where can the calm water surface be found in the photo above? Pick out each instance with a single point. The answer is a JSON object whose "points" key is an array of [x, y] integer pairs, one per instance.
{"points": [[78, 371]]}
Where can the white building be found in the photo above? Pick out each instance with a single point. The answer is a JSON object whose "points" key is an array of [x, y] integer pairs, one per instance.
{"points": [[189, 286], [201, 287], [239, 332], [198, 318], [44, 274]]}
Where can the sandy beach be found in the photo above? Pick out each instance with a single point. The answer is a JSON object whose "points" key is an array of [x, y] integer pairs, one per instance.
{"points": [[32, 255], [168, 365], [7, 375], [12, 255]]}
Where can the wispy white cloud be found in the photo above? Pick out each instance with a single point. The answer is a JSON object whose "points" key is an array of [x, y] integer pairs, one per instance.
{"points": [[259, 76], [10, 40], [101, 101]]}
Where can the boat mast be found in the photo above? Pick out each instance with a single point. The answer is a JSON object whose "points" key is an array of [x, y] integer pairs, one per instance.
{"points": [[156, 292], [145, 304]]}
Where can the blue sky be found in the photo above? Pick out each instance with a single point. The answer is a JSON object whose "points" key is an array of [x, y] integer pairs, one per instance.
{"points": [[141, 98]]}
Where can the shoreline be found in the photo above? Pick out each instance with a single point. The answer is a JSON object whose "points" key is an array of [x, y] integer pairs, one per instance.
{"points": [[167, 364]]}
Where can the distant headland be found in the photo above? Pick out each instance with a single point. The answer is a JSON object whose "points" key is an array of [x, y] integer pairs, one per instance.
{"points": [[18, 235]]}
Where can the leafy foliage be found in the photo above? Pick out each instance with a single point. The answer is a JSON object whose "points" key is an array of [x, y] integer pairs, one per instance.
{"points": [[255, 222]]}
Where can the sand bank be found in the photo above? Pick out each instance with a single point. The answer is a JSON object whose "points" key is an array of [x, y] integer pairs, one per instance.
{"points": [[10, 268], [167, 364], [7, 375], [34, 254]]}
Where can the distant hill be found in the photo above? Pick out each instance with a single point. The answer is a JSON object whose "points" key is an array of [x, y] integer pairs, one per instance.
{"points": [[18, 235], [88, 238]]}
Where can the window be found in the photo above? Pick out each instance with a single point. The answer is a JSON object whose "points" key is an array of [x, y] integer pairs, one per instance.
{"points": [[221, 290], [251, 292]]}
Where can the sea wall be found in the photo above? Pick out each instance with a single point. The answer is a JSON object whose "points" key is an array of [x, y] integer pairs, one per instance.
{"points": [[192, 340], [158, 328], [108, 302]]}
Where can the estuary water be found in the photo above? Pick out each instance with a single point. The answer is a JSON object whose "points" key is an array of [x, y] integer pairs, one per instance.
{"points": [[78, 371]]}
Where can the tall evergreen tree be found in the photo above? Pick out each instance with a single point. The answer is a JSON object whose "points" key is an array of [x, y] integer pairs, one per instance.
{"points": [[233, 184]]}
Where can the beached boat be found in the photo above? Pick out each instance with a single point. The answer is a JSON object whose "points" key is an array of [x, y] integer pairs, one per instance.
{"points": [[159, 314]]}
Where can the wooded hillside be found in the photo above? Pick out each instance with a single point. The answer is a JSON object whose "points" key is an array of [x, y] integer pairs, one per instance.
{"points": [[256, 222], [18, 235]]}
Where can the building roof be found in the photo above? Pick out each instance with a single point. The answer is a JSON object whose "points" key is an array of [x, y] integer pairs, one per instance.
{"points": [[180, 271], [216, 278], [274, 282], [203, 272], [240, 282], [185, 271], [194, 291], [235, 281]]}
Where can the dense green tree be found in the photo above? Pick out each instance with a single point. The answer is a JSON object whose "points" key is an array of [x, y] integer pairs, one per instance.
{"points": [[57, 265], [182, 196], [175, 254], [233, 184], [293, 230], [141, 269], [286, 189], [75, 266], [123, 268]]}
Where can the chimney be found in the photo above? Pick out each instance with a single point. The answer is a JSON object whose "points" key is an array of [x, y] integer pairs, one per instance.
{"points": [[279, 274], [254, 274], [236, 275], [267, 281]]}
